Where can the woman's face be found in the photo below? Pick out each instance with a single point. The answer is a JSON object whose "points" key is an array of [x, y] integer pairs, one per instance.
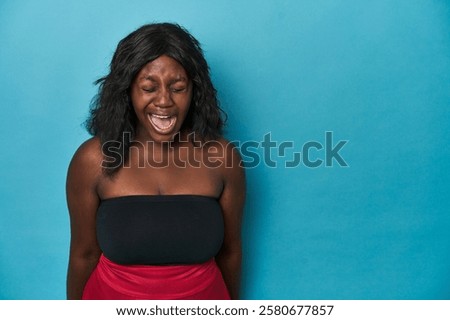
{"points": [[161, 95]]}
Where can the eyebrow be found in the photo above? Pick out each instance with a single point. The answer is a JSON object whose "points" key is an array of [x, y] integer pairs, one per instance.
{"points": [[177, 79]]}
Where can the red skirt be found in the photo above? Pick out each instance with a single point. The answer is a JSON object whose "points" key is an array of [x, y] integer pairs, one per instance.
{"points": [[112, 281]]}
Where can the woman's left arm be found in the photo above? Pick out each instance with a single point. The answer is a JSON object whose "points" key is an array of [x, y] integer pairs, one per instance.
{"points": [[232, 203]]}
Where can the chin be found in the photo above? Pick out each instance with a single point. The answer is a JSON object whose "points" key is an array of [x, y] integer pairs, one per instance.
{"points": [[162, 138]]}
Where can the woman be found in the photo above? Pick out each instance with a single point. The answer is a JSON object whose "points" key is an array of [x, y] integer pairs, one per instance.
{"points": [[156, 196]]}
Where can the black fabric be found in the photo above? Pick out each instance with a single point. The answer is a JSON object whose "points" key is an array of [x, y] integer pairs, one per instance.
{"points": [[160, 229]]}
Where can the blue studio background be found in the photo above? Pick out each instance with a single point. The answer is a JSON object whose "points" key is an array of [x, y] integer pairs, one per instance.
{"points": [[375, 73]]}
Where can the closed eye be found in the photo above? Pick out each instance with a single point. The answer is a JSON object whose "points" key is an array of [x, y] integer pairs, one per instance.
{"points": [[180, 89]]}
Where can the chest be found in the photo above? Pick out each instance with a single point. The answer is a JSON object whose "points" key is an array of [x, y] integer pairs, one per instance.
{"points": [[183, 172]]}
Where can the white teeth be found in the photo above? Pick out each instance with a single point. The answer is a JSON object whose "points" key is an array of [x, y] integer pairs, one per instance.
{"points": [[161, 123], [161, 117]]}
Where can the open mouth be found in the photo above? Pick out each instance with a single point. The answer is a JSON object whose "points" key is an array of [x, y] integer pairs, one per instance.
{"points": [[162, 124]]}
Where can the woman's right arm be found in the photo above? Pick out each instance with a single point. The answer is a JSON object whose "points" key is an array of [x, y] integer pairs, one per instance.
{"points": [[82, 200]]}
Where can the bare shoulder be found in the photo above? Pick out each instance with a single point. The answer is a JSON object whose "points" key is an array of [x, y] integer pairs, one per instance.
{"points": [[88, 154], [89, 151], [232, 156], [85, 166], [232, 166], [227, 152]]}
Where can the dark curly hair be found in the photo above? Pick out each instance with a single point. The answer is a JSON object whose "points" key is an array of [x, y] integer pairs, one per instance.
{"points": [[112, 117]]}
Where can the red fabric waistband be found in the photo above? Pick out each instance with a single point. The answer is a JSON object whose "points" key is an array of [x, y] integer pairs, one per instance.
{"points": [[113, 281]]}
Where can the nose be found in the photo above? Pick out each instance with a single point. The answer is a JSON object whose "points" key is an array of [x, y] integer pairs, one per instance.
{"points": [[163, 98]]}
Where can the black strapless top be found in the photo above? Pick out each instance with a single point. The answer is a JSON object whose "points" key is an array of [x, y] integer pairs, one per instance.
{"points": [[160, 229]]}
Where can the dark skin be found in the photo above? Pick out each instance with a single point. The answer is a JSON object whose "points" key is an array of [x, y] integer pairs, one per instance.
{"points": [[161, 88]]}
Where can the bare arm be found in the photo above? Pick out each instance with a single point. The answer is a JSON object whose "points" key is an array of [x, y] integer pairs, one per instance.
{"points": [[82, 200], [232, 203]]}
